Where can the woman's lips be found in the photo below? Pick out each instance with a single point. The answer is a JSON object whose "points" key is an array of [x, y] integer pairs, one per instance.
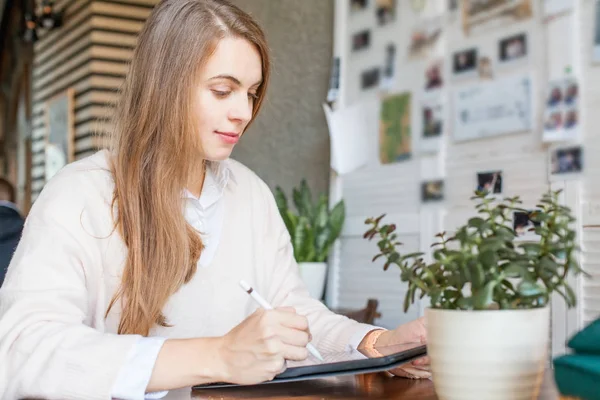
{"points": [[229, 137]]}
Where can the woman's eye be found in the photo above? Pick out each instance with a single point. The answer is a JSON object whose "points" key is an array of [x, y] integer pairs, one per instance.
{"points": [[220, 93], [253, 96]]}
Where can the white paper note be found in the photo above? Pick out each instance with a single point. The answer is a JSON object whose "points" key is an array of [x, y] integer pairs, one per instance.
{"points": [[349, 130]]}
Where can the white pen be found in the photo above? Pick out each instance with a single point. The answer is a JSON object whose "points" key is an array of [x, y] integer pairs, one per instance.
{"points": [[264, 304]]}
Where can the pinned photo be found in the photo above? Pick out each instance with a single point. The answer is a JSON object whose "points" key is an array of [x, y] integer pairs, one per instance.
{"points": [[523, 225], [566, 160], [424, 39], [490, 182], [432, 120], [513, 48], [358, 5], [561, 119], [485, 68], [386, 11], [432, 191], [389, 69], [464, 61], [433, 76], [370, 78], [361, 40]]}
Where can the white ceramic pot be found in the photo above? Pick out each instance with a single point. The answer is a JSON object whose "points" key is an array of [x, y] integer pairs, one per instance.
{"points": [[313, 274], [491, 355]]}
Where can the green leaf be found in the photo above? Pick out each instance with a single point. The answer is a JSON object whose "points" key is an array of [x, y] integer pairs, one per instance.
{"points": [[300, 236], [476, 222], [281, 200], [336, 220], [482, 299], [529, 289], [322, 213]]}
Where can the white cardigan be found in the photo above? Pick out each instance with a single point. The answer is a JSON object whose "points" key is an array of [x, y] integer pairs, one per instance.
{"points": [[54, 340]]}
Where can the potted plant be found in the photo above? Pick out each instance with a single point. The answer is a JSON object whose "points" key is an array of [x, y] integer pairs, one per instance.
{"points": [[488, 321], [313, 229]]}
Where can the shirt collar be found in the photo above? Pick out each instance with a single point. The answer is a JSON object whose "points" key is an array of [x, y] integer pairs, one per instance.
{"points": [[218, 175]]}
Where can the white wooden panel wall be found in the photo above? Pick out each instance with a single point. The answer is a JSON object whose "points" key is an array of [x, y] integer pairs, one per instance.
{"points": [[523, 158]]}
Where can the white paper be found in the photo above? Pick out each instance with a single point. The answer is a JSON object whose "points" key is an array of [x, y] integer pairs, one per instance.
{"points": [[553, 7], [349, 130], [493, 108]]}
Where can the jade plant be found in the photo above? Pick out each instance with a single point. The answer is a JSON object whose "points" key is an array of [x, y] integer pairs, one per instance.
{"points": [[481, 266], [313, 227]]}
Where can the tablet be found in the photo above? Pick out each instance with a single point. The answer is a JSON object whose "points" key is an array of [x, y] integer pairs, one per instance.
{"points": [[343, 363]]}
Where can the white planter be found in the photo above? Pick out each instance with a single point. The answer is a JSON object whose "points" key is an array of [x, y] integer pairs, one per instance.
{"points": [[313, 274], [491, 355]]}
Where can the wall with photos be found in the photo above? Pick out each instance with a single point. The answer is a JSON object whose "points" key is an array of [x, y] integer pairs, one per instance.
{"points": [[77, 70], [456, 98]]}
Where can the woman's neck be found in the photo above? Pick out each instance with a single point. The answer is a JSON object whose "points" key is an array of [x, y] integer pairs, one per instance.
{"points": [[196, 182]]}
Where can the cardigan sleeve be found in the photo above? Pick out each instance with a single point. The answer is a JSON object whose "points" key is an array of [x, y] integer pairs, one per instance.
{"points": [[331, 332], [46, 348]]}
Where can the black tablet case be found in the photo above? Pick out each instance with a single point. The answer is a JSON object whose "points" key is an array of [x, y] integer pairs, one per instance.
{"points": [[354, 367]]}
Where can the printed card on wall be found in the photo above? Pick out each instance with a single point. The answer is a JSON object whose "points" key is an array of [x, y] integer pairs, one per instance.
{"points": [[432, 123], [493, 108], [561, 116], [395, 128], [566, 163]]}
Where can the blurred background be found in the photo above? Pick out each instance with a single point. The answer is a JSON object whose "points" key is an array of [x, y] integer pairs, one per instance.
{"points": [[400, 107]]}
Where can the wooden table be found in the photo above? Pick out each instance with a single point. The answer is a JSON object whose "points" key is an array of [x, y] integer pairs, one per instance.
{"points": [[369, 386]]}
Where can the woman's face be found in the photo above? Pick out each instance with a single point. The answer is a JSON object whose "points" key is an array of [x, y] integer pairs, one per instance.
{"points": [[225, 96]]}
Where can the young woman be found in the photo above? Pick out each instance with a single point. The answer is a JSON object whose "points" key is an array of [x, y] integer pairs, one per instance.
{"points": [[126, 278]]}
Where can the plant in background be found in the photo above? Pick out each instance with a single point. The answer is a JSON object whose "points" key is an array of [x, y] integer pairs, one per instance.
{"points": [[481, 266], [314, 228]]}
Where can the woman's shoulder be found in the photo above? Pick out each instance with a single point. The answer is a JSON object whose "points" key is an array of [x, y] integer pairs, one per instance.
{"points": [[78, 184], [246, 179]]}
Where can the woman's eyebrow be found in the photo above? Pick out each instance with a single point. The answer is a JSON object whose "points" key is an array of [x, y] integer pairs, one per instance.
{"points": [[232, 79]]}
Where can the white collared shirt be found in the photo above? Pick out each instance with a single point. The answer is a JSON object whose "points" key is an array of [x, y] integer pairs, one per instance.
{"points": [[206, 215]]}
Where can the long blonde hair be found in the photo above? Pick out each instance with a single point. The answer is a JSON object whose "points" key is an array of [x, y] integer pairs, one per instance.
{"points": [[155, 145]]}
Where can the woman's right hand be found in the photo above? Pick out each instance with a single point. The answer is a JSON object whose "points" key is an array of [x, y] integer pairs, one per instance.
{"points": [[255, 351]]}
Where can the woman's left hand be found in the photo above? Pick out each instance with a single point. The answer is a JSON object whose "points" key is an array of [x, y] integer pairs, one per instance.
{"points": [[412, 332]]}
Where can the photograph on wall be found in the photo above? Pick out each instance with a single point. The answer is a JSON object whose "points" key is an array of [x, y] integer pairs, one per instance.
{"points": [[395, 128], [334, 81], [432, 120], [566, 161], [424, 39], [485, 69], [561, 114], [386, 11], [596, 48], [370, 78], [389, 68], [432, 191], [523, 224], [464, 62], [482, 13], [513, 48], [60, 132], [555, 7], [492, 108], [433, 75], [358, 5], [361, 40], [490, 182]]}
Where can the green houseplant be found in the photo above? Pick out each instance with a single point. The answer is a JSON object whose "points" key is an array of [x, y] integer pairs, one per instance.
{"points": [[489, 293], [313, 228]]}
